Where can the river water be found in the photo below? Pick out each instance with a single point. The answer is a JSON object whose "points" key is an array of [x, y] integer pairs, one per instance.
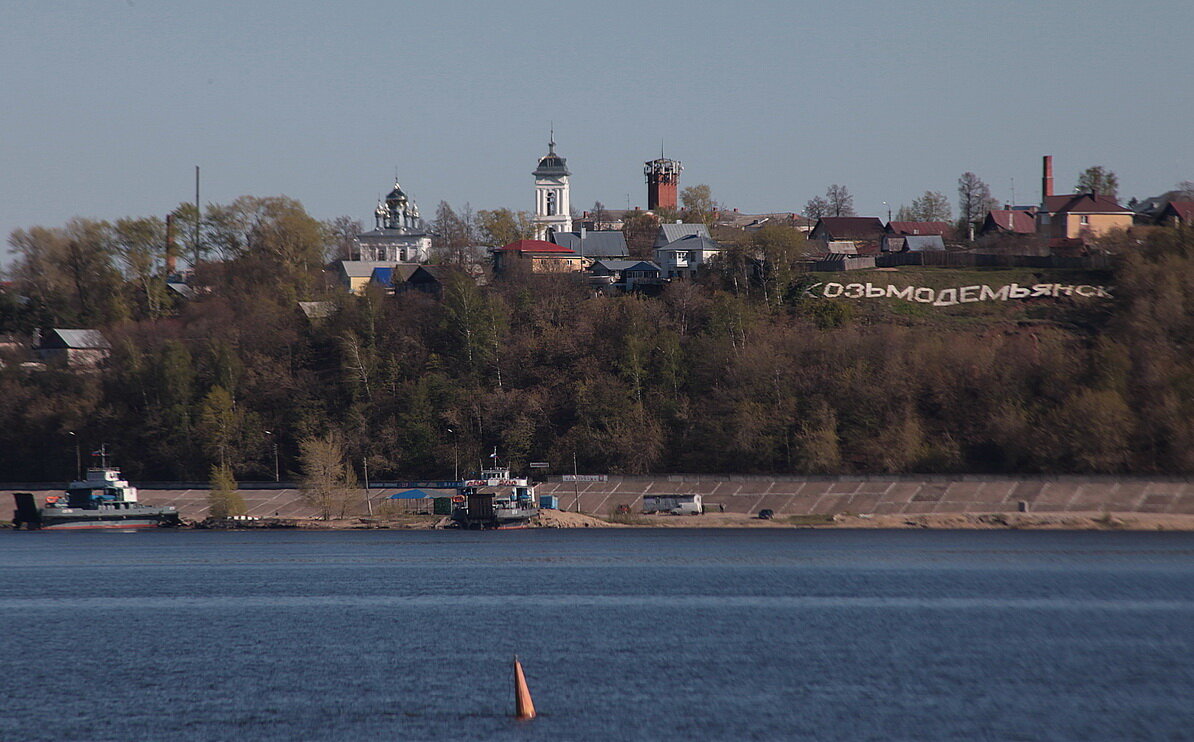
{"points": [[625, 634]]}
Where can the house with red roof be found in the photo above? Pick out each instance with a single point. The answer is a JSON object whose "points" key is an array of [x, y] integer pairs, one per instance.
{"points": [[1177, 213], [1009, 221], [944, 230], [537, 256], [1077, 216], [1081, 216]]}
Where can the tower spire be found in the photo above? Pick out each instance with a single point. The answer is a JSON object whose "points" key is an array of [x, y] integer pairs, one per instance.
{"points": [[551, 139]]}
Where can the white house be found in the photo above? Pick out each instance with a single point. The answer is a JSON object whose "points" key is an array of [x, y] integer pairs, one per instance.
{"points": [[684, 258]]}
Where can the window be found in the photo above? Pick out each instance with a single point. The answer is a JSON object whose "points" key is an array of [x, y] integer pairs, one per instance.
{"points": [[551, 203], [1085, 220]]}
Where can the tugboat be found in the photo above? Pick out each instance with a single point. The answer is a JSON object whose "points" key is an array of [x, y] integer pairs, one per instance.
{"points": [[102, 500], [512, 508]]}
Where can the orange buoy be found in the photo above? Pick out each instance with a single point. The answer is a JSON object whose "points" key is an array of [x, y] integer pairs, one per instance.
{"points": [[524, 707]]}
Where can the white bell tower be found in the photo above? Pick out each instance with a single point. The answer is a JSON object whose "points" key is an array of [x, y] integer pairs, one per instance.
{"points": [[553, 207]]}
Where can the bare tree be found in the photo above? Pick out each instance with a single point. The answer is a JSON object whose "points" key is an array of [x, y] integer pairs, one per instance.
{"points": [[816, 208], [974, 199], [841, 203], [453, 233], [600, 216], [342, 233]]}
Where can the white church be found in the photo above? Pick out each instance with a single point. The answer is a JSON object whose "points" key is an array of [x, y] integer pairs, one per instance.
{"points": [[399, 234]]}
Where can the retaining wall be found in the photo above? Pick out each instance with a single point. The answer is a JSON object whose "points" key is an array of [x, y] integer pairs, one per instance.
{"points": [[887, 495], [784, 495]]}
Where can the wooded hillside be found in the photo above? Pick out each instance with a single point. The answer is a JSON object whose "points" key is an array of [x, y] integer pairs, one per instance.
{"points": [[728, 374]]}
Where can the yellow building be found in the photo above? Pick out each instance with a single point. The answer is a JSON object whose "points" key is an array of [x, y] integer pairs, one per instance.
{"points": [[1081, 216], [537, 256]]}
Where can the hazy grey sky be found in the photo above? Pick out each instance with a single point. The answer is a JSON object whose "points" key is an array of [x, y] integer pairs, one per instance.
{"points": [[106, 106]]}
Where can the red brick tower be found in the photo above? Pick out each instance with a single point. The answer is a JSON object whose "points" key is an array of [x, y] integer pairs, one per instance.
{"points": [[663, 178]]}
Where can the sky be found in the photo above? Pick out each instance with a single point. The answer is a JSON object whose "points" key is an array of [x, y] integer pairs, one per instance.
{"points": [[107, 106]]}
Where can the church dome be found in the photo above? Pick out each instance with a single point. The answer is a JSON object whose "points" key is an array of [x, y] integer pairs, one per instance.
{"points": [[397, 194], [551, 164]]}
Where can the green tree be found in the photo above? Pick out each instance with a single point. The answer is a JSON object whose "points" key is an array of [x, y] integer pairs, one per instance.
{"points": [[70, 272], [500, 227], [469, 323], [223, 499], [698, 205], [328, 483], [931, 206], [141, 246], [1098, 179], [188, 221], [219, 425], [779, 248], [819, 451]]}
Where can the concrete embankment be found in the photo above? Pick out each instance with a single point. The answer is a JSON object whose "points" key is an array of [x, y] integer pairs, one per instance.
{"points": [[888, 495], [877, 496]]}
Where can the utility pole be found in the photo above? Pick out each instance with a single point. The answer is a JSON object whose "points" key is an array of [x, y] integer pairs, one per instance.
{"points": [[455, 455], [368, 500], [197, 212]]}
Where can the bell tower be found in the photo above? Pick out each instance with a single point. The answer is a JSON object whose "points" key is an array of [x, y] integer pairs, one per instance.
{"points": [[553, 207]]}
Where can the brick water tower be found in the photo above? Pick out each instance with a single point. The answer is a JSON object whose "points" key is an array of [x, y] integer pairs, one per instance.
{"points": [[663, 178]]}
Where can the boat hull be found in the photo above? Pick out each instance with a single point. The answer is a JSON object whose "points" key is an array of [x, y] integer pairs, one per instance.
{"points": [[79, 524], [503, 520], [33, 518]]}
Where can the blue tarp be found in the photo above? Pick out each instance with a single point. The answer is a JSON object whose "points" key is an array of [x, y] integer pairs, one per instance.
{"points": [[412, 495]]}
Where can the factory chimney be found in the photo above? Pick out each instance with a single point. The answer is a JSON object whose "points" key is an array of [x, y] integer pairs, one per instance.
{"points": [[1047, 179]]}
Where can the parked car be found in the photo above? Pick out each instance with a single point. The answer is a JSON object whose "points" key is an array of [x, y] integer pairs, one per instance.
{"points": [[766, 514]]}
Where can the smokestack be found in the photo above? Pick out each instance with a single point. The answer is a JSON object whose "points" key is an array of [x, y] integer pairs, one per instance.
{"points": [[1047, 178]]}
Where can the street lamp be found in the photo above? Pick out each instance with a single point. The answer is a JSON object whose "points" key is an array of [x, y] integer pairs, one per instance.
{"points": [[888, 207], [455, 455], [78, 458], [277, 471]]}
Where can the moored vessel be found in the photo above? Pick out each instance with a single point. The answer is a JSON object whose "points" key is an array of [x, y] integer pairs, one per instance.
{"points": [[101, 500], [494, 500]]}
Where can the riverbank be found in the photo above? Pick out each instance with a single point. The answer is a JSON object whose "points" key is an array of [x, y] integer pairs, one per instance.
{"points": [[1089, 521]]}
